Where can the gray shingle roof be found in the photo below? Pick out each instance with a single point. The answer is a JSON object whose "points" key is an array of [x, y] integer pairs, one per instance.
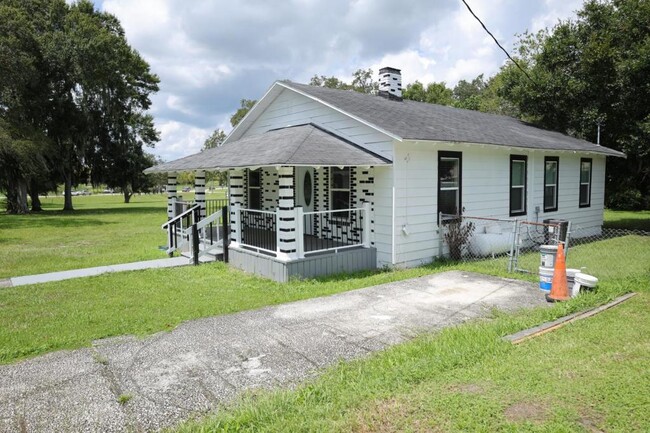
{"points": [[421, 121], [296, 145]]}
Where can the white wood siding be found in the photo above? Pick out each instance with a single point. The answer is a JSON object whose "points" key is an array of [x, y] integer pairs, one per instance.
{"points": [[291, 108], [383, 215], [485, 192]]}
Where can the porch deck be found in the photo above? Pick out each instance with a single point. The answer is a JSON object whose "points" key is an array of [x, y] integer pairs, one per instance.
{"points": [[267, 240], [322, 263]]}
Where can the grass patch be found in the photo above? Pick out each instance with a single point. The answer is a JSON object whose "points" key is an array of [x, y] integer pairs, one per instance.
{"points": [[589, 376], [72, 313], [69, 314], [124, 399], [608, 259], [631, 220], [102, 230]]}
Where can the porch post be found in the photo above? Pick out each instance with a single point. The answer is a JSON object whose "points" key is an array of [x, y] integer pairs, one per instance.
{"points": [[300, 232], [199, 190], [286, 215], [236, 194], [171, 195], [366, 224]]}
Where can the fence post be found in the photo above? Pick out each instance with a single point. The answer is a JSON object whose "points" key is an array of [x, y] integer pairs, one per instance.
{"points": [[366, 225], [566, 241], [170, 239], [225, 239], [513, 246], [300, 232], [440, 236], [195, 244]]}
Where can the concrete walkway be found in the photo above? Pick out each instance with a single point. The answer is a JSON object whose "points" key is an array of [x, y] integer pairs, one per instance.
{"points": [[175, 375], [89, 272]]}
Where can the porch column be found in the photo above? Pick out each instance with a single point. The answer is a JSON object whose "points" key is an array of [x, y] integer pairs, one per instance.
{"points": [[171, 195], [286, 215], [199, 190], [236, 194]]}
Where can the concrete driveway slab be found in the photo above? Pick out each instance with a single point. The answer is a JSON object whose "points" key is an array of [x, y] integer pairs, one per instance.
{"points": [[169, 377]]}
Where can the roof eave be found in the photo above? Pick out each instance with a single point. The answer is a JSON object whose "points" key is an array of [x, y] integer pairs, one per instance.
{"points": [[607, 152]]}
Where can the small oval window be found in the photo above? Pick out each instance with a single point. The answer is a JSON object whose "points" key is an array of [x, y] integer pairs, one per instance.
{"points": [[306, 188]]}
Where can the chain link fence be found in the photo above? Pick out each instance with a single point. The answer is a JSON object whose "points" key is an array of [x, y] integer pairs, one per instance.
{"points": [[514, 245]]}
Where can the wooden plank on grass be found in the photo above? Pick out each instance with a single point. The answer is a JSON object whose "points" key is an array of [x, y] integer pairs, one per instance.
{"points": [[529, 333]]}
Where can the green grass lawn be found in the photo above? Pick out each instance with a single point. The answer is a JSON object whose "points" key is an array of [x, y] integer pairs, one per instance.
{"points": [[102, 230], [462, 379], [589, 376], [620, 219]]}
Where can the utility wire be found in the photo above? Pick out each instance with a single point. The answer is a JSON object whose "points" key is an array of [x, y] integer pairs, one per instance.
{"points": [[497, 42]]}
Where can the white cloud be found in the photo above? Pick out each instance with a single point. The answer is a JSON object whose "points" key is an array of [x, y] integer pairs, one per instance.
{"points": [[210, 54]]}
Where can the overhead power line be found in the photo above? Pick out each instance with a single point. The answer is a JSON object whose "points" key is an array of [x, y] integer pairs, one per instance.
{"points": [[497, 42]]}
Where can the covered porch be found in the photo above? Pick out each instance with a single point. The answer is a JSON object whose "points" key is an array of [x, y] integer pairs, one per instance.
{"points": [[300, 202]]}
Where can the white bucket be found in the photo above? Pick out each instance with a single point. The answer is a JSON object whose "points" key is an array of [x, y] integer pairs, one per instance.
{"points": [[570, 276], [548, 253], [545, 279], [586, 280]]}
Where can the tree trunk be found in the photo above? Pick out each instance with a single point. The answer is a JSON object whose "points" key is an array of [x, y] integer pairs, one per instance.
{"points": [[17, 197], [33, 194], [127, 194], [67, 192]]}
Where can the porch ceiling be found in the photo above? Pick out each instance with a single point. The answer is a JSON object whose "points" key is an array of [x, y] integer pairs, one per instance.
{"points": [[302, 145]]}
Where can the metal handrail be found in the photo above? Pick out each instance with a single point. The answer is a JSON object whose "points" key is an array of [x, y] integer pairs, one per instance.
{"points": [[179, 217]]}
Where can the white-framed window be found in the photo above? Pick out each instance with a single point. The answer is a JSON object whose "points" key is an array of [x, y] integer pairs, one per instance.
{"points": [[551, 182], [340, 191], [585, 182], [254, 189], [518, 171]]}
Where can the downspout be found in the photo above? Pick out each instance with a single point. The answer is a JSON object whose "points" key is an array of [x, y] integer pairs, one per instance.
{"points": [[393, 258]]}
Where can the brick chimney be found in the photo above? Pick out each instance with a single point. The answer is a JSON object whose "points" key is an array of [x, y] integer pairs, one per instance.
{"points": [[390, 83]]}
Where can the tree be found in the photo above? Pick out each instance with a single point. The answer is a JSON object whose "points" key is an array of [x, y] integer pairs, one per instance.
{"points": [[22, 161], [330, 82], [434, 93], [70, 76], [246, 105], [214, 140], [588, 71], [362, 82]]}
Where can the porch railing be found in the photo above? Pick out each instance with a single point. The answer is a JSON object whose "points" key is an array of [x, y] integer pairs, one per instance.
{"points": [[334, 229], [177, 228], [316, 232], [212, 205], [258, 230]]}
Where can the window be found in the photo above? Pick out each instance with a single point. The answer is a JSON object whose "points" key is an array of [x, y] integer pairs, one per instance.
{"points": [[449, 182], [254, 189], [585, 182], [340, 190], [551, 165], [517, 185]]}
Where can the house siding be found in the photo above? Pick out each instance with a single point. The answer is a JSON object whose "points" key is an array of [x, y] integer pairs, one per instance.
{"points": [[485, 192], [290, 108], [371, 184]]}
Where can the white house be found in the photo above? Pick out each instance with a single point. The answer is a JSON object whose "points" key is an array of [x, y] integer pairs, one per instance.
{"points": [[326, 181]]}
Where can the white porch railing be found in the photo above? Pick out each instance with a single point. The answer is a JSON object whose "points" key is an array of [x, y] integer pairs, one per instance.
{"points": [[315, 232]]}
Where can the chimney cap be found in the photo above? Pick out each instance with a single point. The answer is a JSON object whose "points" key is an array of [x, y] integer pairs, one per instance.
{"points": [[388, 70]]}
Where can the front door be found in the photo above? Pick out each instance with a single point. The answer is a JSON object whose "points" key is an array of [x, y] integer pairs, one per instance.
{"points": [[305, 194]]}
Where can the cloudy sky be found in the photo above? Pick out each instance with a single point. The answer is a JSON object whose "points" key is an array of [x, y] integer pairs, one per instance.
{"points": [[210, 54]]}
